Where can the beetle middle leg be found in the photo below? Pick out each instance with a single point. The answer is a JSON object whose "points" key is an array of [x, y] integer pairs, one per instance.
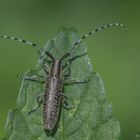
{"points": [[34, 78], [39, 102], [70, 81]]}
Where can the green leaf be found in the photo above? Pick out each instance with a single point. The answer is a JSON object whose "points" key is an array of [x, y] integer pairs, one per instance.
{"points": [[91, 118]]}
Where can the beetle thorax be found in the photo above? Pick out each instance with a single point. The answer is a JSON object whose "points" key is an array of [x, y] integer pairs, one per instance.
{"points": [[56, 68]]}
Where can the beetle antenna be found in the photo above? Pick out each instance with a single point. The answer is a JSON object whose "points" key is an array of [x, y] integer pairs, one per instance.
{"points": [[19, 40], [96, 30]]}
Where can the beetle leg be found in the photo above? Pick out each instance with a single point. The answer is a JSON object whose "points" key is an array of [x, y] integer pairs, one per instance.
{"points": [[46, 68], [64, 102], [70, 81], [68, 64], [62, 95], [39, 102], [34, 78], [66, 105]]}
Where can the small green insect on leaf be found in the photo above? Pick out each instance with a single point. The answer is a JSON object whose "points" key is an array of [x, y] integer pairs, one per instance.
{"points": [[91, 116]]}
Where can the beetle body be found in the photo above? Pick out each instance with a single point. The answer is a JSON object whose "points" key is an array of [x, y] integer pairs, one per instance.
{"points": [[54, 83], [52, 96]]}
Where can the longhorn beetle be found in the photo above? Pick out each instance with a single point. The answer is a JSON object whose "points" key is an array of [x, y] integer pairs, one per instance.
{"points": [[55, 79]]}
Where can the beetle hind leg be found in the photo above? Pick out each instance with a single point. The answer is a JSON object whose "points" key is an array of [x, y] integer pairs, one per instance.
{"points": [[39, 102], [65, 103]]}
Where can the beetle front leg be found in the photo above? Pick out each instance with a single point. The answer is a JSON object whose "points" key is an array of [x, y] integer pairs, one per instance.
{"points": [[68, 64], [46, 68]]}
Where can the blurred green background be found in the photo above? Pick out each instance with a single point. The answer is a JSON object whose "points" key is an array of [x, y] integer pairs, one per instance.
{"points": [[115, 54]]}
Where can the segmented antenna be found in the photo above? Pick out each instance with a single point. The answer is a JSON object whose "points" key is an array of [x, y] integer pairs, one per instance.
{"points": [[96, 30], [19, 40]]}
